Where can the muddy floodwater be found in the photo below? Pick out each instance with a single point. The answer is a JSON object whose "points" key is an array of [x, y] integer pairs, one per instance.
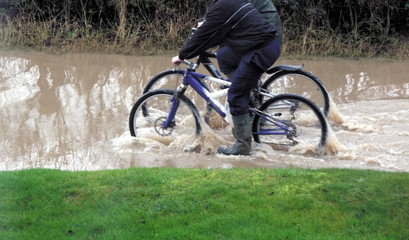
{"points": [[71, 112]]}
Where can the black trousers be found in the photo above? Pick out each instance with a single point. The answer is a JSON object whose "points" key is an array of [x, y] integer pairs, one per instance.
{"points": [[248, 69]]}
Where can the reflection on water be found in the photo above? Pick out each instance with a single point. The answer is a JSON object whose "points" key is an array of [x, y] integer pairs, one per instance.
{"points": [[61, 112], [365, 88], [366, 79], [71, 112], [19, 81]]}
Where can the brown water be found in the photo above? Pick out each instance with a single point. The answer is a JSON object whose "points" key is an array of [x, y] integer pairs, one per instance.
{"points": [[71, 112]]}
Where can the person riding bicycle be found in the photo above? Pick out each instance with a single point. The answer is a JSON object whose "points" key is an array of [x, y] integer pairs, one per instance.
{"points": [[252, 41]]}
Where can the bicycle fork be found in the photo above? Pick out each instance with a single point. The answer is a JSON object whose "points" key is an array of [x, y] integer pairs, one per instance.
{"points": [[170, 120]]}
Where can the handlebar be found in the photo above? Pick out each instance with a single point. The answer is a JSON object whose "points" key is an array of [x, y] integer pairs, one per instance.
{"points": [[190, 65]]}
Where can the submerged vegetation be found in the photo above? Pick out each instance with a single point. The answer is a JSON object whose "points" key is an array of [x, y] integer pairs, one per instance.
{"points": [[351, 28]]}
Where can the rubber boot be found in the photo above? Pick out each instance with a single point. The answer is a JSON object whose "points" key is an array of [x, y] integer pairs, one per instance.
{"points": [[242, 133]]}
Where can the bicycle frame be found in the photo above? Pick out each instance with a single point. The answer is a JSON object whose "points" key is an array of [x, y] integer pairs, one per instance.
{"points": [[273, 73], [191, 78]]}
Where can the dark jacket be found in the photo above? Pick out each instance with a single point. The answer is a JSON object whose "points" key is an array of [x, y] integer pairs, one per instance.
{"points": [[269, 11], [235, 23]]}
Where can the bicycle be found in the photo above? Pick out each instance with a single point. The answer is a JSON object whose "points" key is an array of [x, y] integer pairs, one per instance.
{"points": [[283, 79], [283, 120]]}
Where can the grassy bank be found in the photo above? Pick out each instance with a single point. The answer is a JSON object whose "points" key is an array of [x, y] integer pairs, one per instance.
{"points": [[204, 204]]}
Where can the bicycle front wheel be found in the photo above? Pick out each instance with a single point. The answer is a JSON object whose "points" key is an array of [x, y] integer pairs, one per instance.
{"points": [[152, 109], [301, 83], [169, 79], [287, 120]]}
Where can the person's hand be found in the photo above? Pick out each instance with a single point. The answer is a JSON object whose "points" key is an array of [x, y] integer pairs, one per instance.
{"points": [[176, 60], [199, 24]]}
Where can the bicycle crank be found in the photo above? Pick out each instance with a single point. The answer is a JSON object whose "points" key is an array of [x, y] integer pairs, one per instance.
{"points": [[293, 133]]}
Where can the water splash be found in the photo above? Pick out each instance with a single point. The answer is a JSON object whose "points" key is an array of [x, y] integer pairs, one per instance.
{"points": [[334, 114]]}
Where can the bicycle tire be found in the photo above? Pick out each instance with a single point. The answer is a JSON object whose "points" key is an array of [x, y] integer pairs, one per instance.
{"points": [[161, 80], [152, 108], [297, 113], [295, 82]]}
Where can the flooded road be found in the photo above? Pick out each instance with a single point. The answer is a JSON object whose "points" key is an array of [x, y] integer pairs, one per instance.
{"points": [[71, 112]]}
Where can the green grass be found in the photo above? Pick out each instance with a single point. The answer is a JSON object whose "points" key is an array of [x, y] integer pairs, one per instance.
{"points": [[167, 203]]}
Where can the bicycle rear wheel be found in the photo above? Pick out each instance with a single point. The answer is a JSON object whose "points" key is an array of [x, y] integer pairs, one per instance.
{"points": [[287, 120], [301, 83], [151, 110]]}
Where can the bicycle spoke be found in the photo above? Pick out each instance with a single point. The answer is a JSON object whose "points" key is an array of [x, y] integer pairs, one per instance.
{"points": [[301, 83], [283, 122], [151, 111]]}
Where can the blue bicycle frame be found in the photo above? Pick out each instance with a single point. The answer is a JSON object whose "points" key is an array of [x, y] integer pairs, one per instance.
{"points": [[192, 78]]}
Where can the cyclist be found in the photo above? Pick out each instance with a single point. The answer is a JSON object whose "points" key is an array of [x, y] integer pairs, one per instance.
{"points": [[253, 47]]}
